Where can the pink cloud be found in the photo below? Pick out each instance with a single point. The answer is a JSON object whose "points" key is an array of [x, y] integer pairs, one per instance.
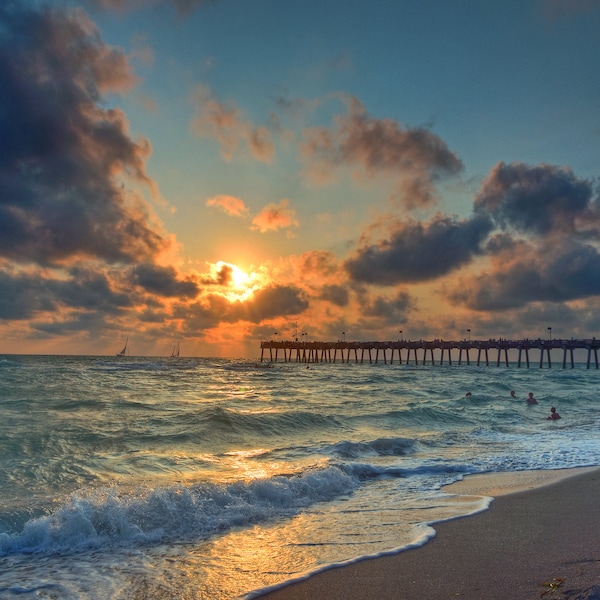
{"points": [[230, 205], [275, 216]]}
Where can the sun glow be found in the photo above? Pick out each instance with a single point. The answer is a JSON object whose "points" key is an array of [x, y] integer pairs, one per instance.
{"points": [[239, 279], [239, 285]]}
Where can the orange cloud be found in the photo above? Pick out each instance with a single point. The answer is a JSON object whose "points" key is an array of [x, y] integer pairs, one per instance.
{"points": [[275, 216], [230, 205]]}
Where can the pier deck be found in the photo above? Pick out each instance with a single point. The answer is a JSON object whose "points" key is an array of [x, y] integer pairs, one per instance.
{"points": [[424, 352]]}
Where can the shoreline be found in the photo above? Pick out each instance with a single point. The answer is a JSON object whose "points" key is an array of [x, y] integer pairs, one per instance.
{"points": [[539, 536]]}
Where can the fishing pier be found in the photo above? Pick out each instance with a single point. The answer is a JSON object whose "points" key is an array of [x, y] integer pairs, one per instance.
{"points": [[424, 352]]}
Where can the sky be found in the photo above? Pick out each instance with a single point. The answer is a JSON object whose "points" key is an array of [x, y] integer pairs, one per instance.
{"points": [[219, 172]]}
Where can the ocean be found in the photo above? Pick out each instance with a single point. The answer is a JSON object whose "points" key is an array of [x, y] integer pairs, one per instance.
{"points": [[192, 478]]}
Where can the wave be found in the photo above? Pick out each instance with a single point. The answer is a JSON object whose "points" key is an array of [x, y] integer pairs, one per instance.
{"points": [[394, 446], [114, 516], [226, 420], [160, 364], [111, 516]]}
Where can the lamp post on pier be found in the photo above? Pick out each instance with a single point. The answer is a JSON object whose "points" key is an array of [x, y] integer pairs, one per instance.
{"points": [[469, 332], [401, 336], [550, 333]]}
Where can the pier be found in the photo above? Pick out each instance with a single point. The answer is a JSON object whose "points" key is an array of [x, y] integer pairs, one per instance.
{"points": [[435, 352]]}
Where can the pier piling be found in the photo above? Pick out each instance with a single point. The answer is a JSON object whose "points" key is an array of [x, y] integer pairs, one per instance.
{"points": [[327, 352]]}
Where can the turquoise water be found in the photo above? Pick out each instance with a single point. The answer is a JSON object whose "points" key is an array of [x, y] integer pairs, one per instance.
{"points": [[199, 478]]}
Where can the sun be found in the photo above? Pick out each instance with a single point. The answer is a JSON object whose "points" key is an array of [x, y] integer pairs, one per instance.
{"points": [[238, 285], [239, 279]]}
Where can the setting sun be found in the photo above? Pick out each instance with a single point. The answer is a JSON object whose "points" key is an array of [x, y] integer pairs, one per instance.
{"points": [[239, 279]]}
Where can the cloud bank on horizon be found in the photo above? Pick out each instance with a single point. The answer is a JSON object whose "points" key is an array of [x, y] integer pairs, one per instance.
{"points": [[342, 215]]}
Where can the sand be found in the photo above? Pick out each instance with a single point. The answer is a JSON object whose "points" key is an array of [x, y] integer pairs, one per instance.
{"points": [[531, 543]]}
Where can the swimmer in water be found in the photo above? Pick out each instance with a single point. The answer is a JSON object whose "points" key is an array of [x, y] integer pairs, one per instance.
{"points": [[512, 394], [553, 415], [531, 399]]}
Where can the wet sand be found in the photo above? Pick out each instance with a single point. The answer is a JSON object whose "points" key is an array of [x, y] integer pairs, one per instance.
{"points": [[540, 538]]}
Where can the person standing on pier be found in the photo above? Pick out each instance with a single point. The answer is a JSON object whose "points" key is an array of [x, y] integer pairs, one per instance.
{"points": [[531, 399]]}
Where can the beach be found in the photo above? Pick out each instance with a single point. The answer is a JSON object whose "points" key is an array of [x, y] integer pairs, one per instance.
{"points": [[531, 543]]}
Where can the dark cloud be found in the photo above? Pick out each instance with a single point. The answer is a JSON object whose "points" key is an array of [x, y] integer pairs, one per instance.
{"points": [[538, 200], [392, 310], [419, 252], [91, 291], [414, 157], [336, 294], [21, 296], [60, 152], [268, 303], [274, 301], [25, 295], [223, 276], [548, 276], [163, 281]]}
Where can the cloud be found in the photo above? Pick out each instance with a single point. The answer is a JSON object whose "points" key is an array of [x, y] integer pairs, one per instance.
{"points": [[274, 301], [224, 123], [230, 205], [336, 294], [547, 249], [28, 294], [539, 200], [416, 252], [163, 281], [569, 272], [184, 7], [275, 216], [221, 274], [270, 302], [320, 262], [61, 154], [414, 157], [556, 9]]}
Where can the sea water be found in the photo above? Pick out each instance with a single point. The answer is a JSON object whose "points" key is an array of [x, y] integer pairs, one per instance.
{"points": [[138, 478]]}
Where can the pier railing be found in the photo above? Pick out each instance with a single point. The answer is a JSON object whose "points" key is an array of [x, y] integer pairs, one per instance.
{"points": [[431, 352]]}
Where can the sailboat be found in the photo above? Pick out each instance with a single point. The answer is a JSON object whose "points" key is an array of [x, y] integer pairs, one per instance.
{"points": [[125, 350], [175, 353]]}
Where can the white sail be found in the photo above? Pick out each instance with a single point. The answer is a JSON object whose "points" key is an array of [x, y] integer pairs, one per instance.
{"points": [[175, 353], [125, 350]]}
